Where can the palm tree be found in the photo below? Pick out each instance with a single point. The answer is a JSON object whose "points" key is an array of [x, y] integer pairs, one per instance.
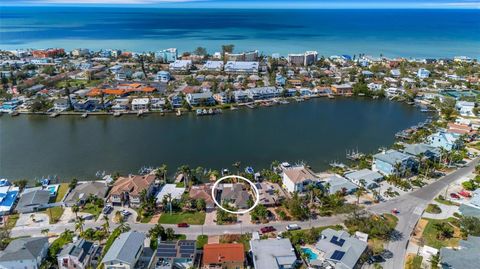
{"points": [[123, 226], [237, 165], [75, 209], [185, 170], [162, 172], [79, 225], [106, 224], [360, 191]]}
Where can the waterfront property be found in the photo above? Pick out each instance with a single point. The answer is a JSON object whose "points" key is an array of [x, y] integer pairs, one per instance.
{"points": [[33, 200], [8, 196], [446, 140], [228, 256], [234, 194], [204, 192], [171, 191], [421, 149], [128, 190], [342, 89], [81, 192], [125, 251], [24, 253], [272, 253], [370, 179], [295, 179], [80, 254], [339, 184], [392, 162], [338, 249]]}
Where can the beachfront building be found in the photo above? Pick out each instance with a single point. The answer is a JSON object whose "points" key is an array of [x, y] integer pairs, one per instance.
{"points": [[60, 104], [263, 93], [240, 96], [270, 194], [295, 179], [180, 253], [180, 66], [162, 76], [221, 98], [465, 108], [232, 67], [213, 66], [366, 177], [305, 59], [125, 251], [246, 56], [392, 162], [24, 253], [446, 140], [342, 89], [225, 256], [272, 253], [167, 55], [127, 190], [338, 184], [200, 99], [157, 104], [33, 200], [169, 190], [140, 104], [84, 190], [338, 249], [421, 149], [234, 194], [80, 254], [423, 73]]}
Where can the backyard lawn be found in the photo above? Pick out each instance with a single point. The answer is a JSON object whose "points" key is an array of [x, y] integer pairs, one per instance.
{"points": [[433, 237], [54, 214], [62, 190], [92, 209], [193, 218]]}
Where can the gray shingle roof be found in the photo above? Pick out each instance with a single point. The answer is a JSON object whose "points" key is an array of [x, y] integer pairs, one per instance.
{"points": [[125, 248], [391, 156], [36, 197], [23, 249], [466, 257], [83, 190]]}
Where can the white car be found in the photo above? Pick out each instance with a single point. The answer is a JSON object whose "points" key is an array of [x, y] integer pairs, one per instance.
{"points": [[293, 227]]}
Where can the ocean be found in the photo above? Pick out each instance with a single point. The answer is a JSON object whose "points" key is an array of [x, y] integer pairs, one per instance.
{"points": [[394, 33]]}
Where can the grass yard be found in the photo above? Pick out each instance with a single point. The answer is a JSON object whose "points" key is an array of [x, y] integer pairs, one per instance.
{"points": [[431, 234], [413, 262], [54, 214], [93, 209], [11, 221], [62, 190], [433, 209], [192, 218], [237, 238], [201, 241], [446, 202]]}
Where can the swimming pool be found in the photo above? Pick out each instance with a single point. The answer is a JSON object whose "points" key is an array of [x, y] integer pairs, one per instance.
{"points": [[311, 255], [52, 189]]}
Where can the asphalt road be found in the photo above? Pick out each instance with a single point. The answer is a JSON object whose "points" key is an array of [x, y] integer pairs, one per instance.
{"points": [[411, 207]]}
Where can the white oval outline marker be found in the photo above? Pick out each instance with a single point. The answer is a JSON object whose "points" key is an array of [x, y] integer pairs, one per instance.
{"points": [[257, 200]]}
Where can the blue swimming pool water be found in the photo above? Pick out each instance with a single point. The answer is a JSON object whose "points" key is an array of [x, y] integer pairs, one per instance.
{"points": [[9, 198], [311, 255], [52, 190]]}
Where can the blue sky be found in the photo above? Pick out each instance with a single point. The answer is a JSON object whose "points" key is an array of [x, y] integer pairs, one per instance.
{"points": [[258, 3]]}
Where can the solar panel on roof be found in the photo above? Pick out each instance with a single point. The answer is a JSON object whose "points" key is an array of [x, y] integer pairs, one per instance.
{"points": [[337, 241], [337, 255]]}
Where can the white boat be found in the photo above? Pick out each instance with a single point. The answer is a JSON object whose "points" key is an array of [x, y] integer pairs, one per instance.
{"points": [[117, 114], [84, 115], [204, 111], [210, 111], [283, 102], [199, 112], [179, 113], [13, 113], [330, 96], [139, 113], [233, 108], [53, 115]]}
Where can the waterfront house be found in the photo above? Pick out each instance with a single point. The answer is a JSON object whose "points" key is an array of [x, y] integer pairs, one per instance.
{"points": [[200, 99], [177, 101], [240, 96], [8, 197], [128, 190], [171, 190], [213, 66], [180, 65], [392, 162], [234, 194], [461, 129], [342, 89], [270, 194], [221, 98], [272, 253], [423, 73], [167, 55], [465, 108], [203, 192], [338, 249], [121, 105], [446, 140], [295, 179], [338, 184], [10, 105], [232, 67], [225, 256], [430, 152], [263, 93], [243, 56], [31, 201], [80, 254], [181, 253], [280, 80], [472, 207], [465, 256], [157, 104], [125, 251], [84, 190], [370, 178], [140, 104], [60, 104], [162, 76], [24, 253]]}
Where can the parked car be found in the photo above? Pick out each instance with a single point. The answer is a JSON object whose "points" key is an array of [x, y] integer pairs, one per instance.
{"points": [[125, 213], [454, 196], [465, 193], [293, 227], [107, 209], [267, 229], [395, 211], [183, 225]]}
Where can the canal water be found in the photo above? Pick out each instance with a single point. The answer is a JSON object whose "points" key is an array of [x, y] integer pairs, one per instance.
{"points": [[316, 132]]}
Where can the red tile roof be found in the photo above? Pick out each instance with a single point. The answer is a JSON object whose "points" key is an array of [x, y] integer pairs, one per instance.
{"points": [[220, 253]]}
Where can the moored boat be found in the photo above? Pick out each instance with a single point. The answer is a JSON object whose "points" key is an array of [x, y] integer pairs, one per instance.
{"points": [[84, 115]]}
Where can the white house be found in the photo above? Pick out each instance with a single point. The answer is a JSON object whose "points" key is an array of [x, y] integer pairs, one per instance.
{"points": [[465, 108], [162, 76], [140, 103], [423, 73], [213, 66], [180, 65], [295, 179]]}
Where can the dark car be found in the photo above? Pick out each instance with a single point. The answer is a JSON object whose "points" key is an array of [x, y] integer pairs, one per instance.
{"points": [[267, 229], [454, 196], [107, 209], [183, 225], [375, 259]]}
